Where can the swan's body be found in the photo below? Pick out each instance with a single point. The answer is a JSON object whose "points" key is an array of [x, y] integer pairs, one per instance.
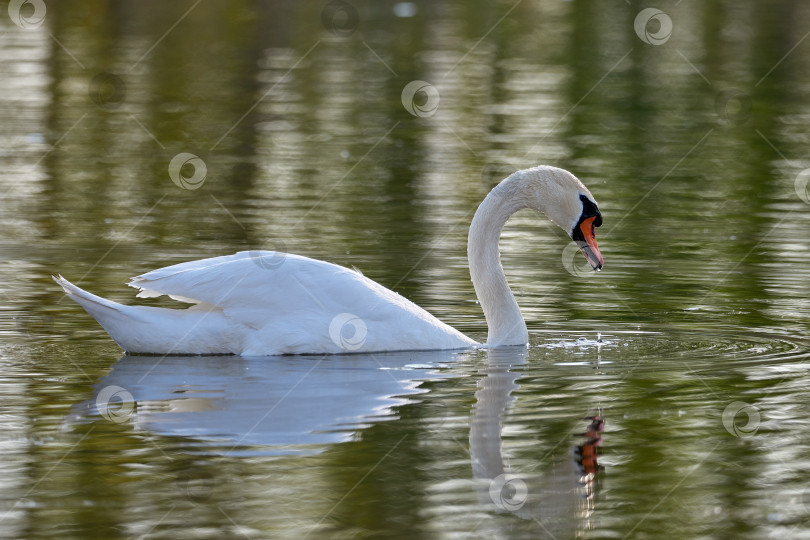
{"points": [[246, 307], [268, 303]]}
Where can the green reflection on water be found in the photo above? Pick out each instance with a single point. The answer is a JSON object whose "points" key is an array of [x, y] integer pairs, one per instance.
{"points": [[691, 148]]}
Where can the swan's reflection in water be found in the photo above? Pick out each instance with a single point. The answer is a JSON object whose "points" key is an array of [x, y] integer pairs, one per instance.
{"points": [[274, 405], [304, 404], [560, 497]]}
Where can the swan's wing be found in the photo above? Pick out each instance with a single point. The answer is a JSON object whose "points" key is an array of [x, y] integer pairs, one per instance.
{"points": [[300, 305], [250, 285], [198, 281]]}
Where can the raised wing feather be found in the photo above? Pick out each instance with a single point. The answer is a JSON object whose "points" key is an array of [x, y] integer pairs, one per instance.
{"points": [[197, 281], [251, 285]]}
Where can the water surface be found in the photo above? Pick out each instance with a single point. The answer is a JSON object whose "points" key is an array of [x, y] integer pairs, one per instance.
{"points": [[664, 396]]}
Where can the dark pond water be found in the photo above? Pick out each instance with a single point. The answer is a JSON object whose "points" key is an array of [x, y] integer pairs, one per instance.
{"points": [[665, 396]]}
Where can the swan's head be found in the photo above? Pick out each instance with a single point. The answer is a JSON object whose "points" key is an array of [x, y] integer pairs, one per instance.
{"points": [[584, 231], [568, 203]]}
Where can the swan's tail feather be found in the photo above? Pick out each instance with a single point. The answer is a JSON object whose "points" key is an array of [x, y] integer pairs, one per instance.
{"points": [[87, 300], [112, 316], [146, 329]]}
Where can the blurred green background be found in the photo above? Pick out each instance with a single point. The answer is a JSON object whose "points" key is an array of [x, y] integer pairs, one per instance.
{"points": [[692, 138]]}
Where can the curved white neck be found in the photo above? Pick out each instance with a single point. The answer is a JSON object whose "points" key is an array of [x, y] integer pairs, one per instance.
{"points": [[506, 325]]}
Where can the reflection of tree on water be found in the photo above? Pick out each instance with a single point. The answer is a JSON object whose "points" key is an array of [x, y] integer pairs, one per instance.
{"points": [[586, 453], [560, 497], [586, 458]]}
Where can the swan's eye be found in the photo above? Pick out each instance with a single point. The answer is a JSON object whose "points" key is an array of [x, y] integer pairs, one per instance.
{"points": [[589, 210]]}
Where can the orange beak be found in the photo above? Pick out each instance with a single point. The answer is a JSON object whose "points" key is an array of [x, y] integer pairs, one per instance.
{"points": [[588, 246]]}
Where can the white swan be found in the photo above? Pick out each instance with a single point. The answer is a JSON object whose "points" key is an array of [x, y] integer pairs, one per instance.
{"points": [[258, 303]]}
